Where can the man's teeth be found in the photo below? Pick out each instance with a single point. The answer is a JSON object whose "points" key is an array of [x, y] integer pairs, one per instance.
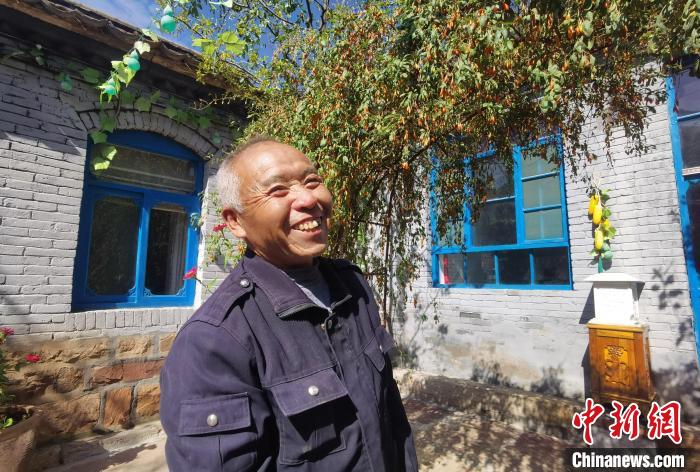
{"points": [[308, 226]]}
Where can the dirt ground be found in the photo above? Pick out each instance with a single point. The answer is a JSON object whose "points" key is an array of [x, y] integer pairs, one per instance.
{"points": [[446, 440]]}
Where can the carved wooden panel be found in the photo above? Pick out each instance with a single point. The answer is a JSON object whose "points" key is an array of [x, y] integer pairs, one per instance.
{"points": [[619, 361]]}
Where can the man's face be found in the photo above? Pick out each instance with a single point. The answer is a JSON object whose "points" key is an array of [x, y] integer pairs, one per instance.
{"points": [[285, 205]]}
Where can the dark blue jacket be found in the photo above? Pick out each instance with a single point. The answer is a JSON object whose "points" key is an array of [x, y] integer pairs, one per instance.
{"points": [[260, 378]]}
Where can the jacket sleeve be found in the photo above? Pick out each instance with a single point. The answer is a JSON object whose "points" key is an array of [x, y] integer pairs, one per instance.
{"points": [[212, 408]]}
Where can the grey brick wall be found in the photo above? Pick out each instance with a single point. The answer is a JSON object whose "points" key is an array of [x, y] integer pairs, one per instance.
{"points": [[43, 139], [537, 339]]}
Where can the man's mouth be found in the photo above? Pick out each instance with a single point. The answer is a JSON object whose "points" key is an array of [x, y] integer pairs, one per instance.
{"points": [[308, 226]]}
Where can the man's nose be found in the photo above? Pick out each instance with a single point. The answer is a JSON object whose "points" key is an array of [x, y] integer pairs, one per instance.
{"points": [[305, 199]]}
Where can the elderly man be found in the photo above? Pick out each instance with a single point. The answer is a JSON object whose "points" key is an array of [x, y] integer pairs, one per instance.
{"points": [[285, 366]]}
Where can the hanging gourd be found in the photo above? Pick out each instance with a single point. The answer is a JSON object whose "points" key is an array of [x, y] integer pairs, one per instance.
{"points": [[603, 231], [110, 87], [167, 22], [132, 61]]}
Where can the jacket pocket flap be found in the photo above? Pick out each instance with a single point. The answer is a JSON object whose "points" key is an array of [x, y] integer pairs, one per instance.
{"points": [[374, 352], [299, 395], [214, 415], [385, 340]]}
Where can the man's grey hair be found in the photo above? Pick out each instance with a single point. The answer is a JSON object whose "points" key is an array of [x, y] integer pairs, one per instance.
{"points": [[228, 182]]}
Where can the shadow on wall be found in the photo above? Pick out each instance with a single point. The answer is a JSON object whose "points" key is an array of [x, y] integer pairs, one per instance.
{"points": [[667, 297], [681, 383]]}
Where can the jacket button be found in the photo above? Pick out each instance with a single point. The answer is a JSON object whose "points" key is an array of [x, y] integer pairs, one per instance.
{"points": [[313, 390], [244, 282], [212, 420]]}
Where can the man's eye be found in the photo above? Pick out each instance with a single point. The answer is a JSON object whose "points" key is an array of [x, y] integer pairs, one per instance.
{"points": [[314, 182], [278, 191]]}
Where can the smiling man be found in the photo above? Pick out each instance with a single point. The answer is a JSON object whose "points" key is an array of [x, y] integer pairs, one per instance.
{"points": [[286, 366]]}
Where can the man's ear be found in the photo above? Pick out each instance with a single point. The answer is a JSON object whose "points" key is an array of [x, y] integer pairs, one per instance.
{"points": [[232, 220]]}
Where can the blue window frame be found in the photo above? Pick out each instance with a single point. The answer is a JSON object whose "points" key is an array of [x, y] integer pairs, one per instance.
{"points": [[521, 237], [684, 117], [135, 240]]}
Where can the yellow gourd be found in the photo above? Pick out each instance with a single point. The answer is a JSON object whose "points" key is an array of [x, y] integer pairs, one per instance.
{"points": [[598, 239], [592, 204], [597, 213]]}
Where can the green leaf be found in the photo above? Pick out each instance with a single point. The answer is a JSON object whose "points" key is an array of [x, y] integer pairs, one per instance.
{"points": [[203, 122], [98, 137], [103, 156], [199, 42], [226, 3], [90, 75], [170, 112], [142, 47], [107, 123], [126, 98], [65, 81], [150, 35], [143, 104], [155, 96], [216, 139]]}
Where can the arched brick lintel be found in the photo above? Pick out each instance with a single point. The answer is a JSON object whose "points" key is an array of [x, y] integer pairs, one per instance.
{"points": [[156, 123]]}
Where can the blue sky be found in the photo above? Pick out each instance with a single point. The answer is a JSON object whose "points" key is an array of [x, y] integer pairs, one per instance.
{"points": [[135, 12]]}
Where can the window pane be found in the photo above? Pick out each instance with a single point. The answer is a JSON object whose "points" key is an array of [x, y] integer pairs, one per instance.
{"points": [[543, 224], [514, 267], [496, 224], [551, 266], [167, 249], [502, 185], [451, 269], [480, 268], [450, 236], [688, 93], [693, 199], [690, 142], [145, 169], [541, 192], [113, 244], [540, 160]]}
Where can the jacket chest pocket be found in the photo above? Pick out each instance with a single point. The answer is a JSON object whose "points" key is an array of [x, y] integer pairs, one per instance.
{"points": [[376, 352], [309, 428]]}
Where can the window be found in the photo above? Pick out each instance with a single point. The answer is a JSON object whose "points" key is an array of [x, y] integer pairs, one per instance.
{"points": [[520, 239], [135, 240]]}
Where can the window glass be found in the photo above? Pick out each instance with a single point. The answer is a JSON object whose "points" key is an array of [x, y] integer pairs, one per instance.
{"points": [[514, 267], [687, 94], [113, 246], [543, 224], [481, 268], [167, 248], [540, 160], [541, 192], [449, 237], [145, 169], [551, 266], [496, 224], [502, 180], [690, 142], [451, 268]]}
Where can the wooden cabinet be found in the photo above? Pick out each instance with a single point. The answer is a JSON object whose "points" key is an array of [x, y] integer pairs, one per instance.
{"points": [[619, 361]]}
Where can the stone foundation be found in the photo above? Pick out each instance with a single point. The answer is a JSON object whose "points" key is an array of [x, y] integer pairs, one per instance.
{"points": [[91, 384]]}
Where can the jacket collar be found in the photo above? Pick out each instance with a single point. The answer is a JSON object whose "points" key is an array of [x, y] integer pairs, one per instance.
{"points": [[284, 294]]}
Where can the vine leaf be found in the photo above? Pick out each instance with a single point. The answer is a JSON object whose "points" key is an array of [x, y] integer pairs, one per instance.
{"points": [[98, 137], [170, 112], [143, 104], [107, 123], [150, 35], [90, 75], [142, 47], [103, 156]]}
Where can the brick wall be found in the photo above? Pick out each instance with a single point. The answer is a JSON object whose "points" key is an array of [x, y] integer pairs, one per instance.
{"points": [[537, 339], [99, 368]]}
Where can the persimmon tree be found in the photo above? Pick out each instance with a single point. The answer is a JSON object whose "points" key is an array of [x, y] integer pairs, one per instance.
{"points": [[388, 96]]}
